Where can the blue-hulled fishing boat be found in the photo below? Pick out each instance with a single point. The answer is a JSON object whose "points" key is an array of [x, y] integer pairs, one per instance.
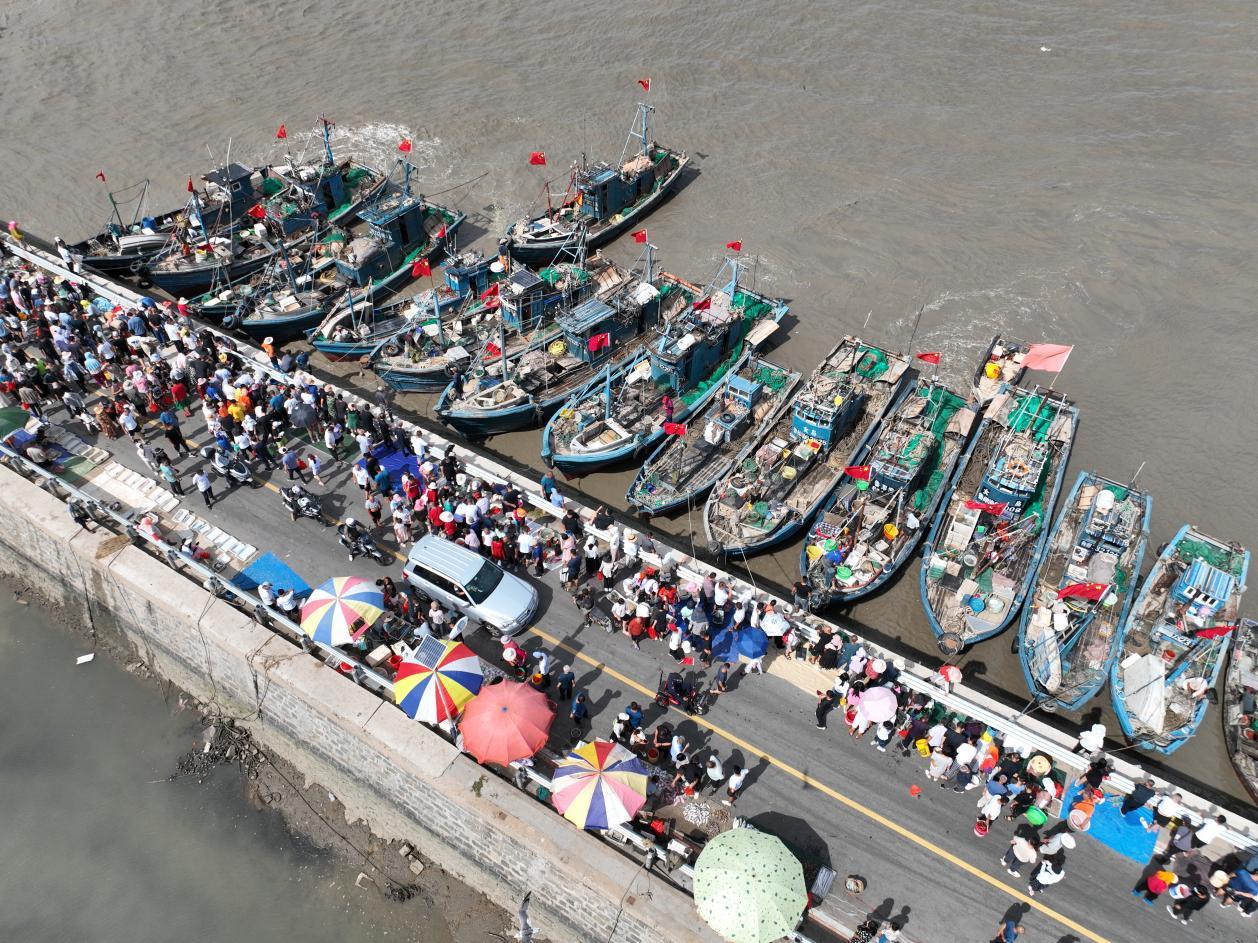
{"points": [[599, 334], [340, 188], [623, 413], [519, 316], [883, 507], [683, 467], [796, 463], [980, 556], [1240, 705], [1083, 587], [123, 246], [602, 200], [1173, 642]]}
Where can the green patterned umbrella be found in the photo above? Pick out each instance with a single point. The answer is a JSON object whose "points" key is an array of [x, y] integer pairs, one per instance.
{"points": [[749, 887]]}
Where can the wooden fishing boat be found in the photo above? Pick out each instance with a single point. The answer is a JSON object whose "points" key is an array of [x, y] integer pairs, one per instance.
{"points": [[795, 465], [123, 246], [1084, 585], [602, 201], [1240, 705], [979, 557], [1173, 642], [623, 413], [683, 467], [598, 335], [884, 505], [1001, 367], [340, 187]]}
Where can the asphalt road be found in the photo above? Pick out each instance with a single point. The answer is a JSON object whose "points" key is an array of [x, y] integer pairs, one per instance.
{"points": [[835, 800]]}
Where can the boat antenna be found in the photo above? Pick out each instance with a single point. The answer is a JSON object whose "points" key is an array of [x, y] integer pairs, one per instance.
{"points": [[1132, 484], [912, 334], [326, 126]]}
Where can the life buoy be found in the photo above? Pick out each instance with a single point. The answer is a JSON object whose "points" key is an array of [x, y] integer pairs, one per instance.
{"points": [[1018, 468]]}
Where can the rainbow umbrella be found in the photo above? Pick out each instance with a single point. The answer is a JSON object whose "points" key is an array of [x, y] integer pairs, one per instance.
{"points": [[437, 692], [332, 612], [600, 785]]}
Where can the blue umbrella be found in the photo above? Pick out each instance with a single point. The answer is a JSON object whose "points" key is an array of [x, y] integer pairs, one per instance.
{"points": [[749, 642]]}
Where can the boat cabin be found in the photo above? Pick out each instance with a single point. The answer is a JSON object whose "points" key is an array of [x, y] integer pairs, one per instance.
{"points": [[899, 462], [234, 187], [826, 421], [396, 227], [740, 398], [1203, 590], [631, 313], [522, 299], [1013, 477], [468, 275], [603, 192], [689, 352]]}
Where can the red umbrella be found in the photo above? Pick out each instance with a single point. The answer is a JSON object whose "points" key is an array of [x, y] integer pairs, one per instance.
{"points": [[506, 721]]}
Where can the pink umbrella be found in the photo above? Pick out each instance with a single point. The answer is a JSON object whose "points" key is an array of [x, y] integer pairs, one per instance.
{"points": [[878, 704]]}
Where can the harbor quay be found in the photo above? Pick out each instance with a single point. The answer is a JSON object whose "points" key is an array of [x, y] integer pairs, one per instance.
{"points": [[885, 831]]}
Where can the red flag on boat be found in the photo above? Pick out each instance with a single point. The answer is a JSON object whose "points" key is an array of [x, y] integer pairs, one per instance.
{"points": [[703, 304], [736, 245], [191, 188], [930, 356], [405, 146], [1047, 357], [493, 350], [281, 134], [490, 292], [441, 233], [599, 341], [1214, 631], [420, 267], [257, 211], [537, 158], [857, 471], [639, 236], [646, 84], [1090, 591], [674, 428], [991, 507], [100, 175]]}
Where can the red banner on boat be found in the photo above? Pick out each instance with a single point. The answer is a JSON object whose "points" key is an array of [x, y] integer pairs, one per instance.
{"points": [[736, 245], [930, 356], [490, 292], [1090, 591], [991, 507], [1214, 631], [639, 236], [674, 428], [1048, 357], [537, 158], [420, 267], [493, 350], [703, 304], [282, 133], [257, 211], [857, 471], [100, 175], [599, 341], [405, 146], [646, 84], [191, 188]]}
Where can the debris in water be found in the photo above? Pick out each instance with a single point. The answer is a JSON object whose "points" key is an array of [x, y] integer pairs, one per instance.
{"points": [[1045, 49], [84, 659]]}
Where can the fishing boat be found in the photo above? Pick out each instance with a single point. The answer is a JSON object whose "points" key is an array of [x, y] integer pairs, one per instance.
{"points": [[522, 308], [597, 335], [1001, 367], [289, 305], [1084, 585], [890, 495], [1173, 642], [340, 187], [623, 413], [683, 467], [776, 490], [1240, 705], [980, 556], [602, 201], [123, 246]]}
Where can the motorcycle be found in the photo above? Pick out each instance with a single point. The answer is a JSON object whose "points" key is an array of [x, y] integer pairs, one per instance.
{"points": [[363, 546], [301, 503], [227, 465]]}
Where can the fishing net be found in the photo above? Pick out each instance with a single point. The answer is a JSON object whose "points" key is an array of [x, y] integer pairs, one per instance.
{"points": [[354, 176], [751, 306], [694, 395], [871, 363], [271, 186], [554, 274], [1217, 557], [1030, 414], [771, 379]]}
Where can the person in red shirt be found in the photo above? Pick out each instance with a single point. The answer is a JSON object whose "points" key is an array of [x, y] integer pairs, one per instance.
{"points": [[179, 393], [635, 630]]}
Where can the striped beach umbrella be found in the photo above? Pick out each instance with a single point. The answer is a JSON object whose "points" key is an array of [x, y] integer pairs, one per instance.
{"points": [[331, 615], [600, 785], [437, 691]]}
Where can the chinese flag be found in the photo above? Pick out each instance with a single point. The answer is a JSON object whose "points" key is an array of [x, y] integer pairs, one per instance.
{"points": [[1215, 631], [646, 84], [674, 428], [930, 356], [493, 350], [282, 133], [639, 236], [736, 245], [1090, 591], [703, 305], [257, 211], [490, 292], [857, 471], [405, 146], [538, 158], [1050, 358], [441, 233], [191, 188], [599, 341], [992, 507], [100, 175], [420, 267]]}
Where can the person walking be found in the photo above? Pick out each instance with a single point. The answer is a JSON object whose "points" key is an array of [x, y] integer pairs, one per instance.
{"points": [[205, 486], [1197, 896], [734, 785], [1022, 851], [169, 419], [827, 701], [171, 477], [580, 711], [315, 466], [714, 772], [564, 683], [1051, 871], [1154, 885], [291, 462], [1008, 931]]}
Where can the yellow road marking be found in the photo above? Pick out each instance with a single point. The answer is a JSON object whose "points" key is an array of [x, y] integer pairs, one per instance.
{"points": [[839, 797]]}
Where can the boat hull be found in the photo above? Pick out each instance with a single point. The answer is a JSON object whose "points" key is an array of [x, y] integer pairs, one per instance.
{"points": [[200, 279], [288, 327]]}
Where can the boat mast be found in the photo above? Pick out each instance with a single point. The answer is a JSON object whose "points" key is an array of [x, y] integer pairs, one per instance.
{"points": [[640, 131], [326, 126]]}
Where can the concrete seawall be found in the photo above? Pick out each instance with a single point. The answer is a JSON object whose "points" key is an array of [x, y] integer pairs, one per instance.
{"points": [[402, 779]]}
